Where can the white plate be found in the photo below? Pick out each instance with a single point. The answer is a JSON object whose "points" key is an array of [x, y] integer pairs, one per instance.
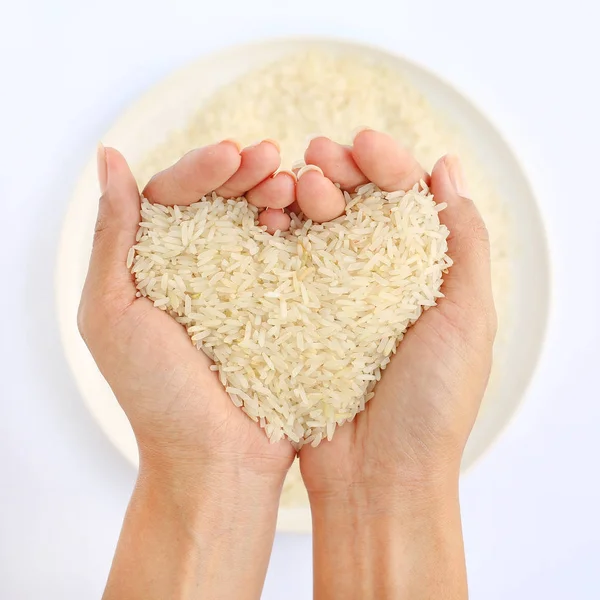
{"points": [[169, 105]]}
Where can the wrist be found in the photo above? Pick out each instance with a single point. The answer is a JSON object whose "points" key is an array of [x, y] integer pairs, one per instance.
{"points": [[370, 500], [388, 543], [183, 534], [384, 492], [192, 469], [229, 484]]}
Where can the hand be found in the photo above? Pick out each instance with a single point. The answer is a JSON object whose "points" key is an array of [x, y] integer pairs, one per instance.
{"points": [[416, 426], [177, 407], [209, 481], [385, 487]]}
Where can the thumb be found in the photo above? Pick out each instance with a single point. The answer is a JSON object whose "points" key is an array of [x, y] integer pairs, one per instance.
{"points": [[108, 277], [468, 281]]}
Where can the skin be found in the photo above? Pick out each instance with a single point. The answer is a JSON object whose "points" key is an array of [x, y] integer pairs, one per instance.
{"points": [[388, 481], [208, 474], [383, 492]]}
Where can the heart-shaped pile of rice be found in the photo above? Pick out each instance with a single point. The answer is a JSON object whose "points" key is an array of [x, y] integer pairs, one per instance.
{"points": [[299, 324]]}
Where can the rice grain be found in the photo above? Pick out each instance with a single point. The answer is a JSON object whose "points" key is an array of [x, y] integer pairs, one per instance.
{"points": [[281, 324]]}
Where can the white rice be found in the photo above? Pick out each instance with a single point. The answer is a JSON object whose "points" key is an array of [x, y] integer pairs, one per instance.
{"points": [[319, 303], [288, 101]]}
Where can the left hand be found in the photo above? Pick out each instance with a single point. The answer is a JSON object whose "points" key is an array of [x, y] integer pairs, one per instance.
{"points": [[416, 426], [384, 491]]}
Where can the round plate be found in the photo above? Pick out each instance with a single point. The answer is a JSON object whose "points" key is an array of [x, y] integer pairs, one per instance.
{"points": [[146, 124]]}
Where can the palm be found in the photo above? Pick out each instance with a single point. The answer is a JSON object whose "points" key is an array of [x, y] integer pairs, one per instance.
{"points": [[174, 402], [413, 410], [173, 390], [428, 397]]}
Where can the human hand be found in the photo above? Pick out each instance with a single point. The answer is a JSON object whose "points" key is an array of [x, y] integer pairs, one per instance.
{"points": [[178, 409], [416, 426], [385, 488], [209, 481]]}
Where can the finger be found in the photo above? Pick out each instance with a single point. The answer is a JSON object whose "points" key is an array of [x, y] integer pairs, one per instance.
{"points": [[116, 227], [197, 173], [318, 198], [294, 207], [257, 163], [469, 279], [336, 162], [274, 219], [278, 191], [384, 162]]}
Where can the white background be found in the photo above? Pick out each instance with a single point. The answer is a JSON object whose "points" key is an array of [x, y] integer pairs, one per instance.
{"points": [[68, 68]]}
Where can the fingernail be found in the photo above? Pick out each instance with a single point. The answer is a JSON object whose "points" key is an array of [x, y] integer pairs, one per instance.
{"points": [[102, 167], [270, 141], [298, 164], [307, 168], [234, 142], [359, 130], [457, 177], [312, 136], [290, 173]]}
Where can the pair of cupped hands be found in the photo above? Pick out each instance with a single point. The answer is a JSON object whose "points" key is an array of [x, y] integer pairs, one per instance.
{"points": [[190, 435]]}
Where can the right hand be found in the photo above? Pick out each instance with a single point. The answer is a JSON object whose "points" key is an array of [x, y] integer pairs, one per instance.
{"points": [[184, 421]]}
